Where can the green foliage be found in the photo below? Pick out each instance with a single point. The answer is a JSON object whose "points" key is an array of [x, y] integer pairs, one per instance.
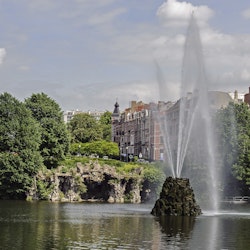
{"points": [[105, 123], [127, 168], [44, 189], [100, 148], [153, 174], [241, 167], [20, 137], [81, 187], [55, 137], [234, 130], [154, 178], [70, 162], [84, 128]]}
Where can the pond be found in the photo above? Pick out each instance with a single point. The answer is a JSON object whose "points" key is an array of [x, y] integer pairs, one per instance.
{"points": [[46, 225]]}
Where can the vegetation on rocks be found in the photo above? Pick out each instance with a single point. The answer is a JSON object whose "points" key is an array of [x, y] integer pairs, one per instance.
{"points": [[176, 198], [82, 178]]}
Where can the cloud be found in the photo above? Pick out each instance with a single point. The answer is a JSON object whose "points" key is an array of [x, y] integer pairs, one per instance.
{"points": [[2, 54], [174, 13], [113, 43], [246, 13], [107, 17]]}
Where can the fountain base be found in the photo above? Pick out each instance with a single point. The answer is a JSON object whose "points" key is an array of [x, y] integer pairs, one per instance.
{"points": [[176, 199]]}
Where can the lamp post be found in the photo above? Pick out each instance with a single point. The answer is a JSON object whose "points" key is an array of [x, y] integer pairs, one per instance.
{"points": [[127, 154]]}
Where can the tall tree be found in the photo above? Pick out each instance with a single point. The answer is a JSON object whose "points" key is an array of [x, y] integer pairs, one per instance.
{"points": [[105, 122], [84, 128], [20, 137], [241, 167], [55, 137], [234, 130]]}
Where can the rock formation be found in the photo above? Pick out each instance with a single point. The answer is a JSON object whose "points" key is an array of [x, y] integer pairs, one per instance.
{"points": [[89, 182], [176, 198]]}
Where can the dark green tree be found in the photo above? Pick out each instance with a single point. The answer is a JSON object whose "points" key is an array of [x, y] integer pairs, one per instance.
{"points": [[105, 122], [20, 138], [55, 136], [84, 128]]}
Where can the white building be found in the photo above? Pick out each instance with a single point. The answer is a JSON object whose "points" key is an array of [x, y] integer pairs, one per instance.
{"points": [[68, 115]]}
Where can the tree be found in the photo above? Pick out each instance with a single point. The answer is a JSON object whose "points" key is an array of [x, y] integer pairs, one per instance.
{"points": [[241, 167], [233, 128], [55, 137], [20, 137], [105, 122], [84, 128]]}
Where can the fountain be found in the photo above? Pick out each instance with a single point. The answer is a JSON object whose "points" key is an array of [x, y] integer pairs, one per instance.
{"points": [[187, 130]]}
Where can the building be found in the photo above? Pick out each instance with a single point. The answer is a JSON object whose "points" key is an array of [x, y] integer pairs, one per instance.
{"points": [[68, 115], [139, 131], [247, 97], [237, 97]]}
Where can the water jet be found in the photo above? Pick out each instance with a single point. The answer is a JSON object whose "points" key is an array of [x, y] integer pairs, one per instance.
{"points": [[188, 134]]}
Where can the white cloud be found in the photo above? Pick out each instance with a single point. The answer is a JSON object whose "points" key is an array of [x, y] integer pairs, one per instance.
{"points": [[177, 13], [117, 49], [246, 13]]}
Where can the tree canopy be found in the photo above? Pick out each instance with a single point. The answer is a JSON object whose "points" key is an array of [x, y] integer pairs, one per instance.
{"points": [[55, 137], [105, 122], [20, 137], [84, 128], [234, 130]]}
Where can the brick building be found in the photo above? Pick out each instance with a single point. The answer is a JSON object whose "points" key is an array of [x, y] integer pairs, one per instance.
{"points": [[139, 131]]}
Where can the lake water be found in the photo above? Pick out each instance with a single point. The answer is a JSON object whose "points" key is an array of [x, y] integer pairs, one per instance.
{"points": [[46, 225]]}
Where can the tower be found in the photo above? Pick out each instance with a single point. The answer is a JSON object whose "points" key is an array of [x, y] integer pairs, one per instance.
{"points": [[115, 117]]}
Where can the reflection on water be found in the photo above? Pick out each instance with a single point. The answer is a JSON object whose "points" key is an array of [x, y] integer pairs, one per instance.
{"points": [[45, 225], [177, 231], [225, 230]]}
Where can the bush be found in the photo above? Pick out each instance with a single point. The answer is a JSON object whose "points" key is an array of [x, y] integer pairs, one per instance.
{"points": [[100, 148]]}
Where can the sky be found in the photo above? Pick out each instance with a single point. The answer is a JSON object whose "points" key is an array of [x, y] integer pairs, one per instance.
{"points": [[88, 54]]}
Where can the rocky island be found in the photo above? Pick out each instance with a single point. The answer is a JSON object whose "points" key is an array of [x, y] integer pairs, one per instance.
{"points": [[176, 198], [93, 182]]}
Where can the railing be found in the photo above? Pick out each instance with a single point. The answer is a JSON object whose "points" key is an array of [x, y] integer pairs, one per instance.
{"points": [[238, 199], [241, 198]]}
